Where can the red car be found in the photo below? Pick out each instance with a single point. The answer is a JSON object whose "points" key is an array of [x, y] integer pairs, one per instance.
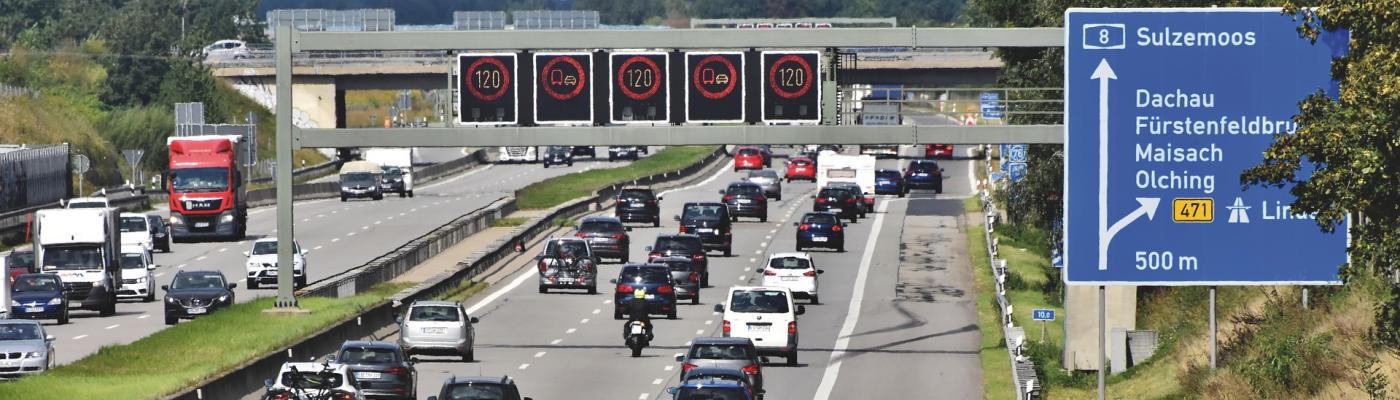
{"points": [[801, 168], [19, 262], [938, 151], [751, 158]]}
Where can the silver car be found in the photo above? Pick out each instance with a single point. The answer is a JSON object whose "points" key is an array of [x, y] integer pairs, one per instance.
{"points": [[770, 181], [437, 328], [25, 348]]}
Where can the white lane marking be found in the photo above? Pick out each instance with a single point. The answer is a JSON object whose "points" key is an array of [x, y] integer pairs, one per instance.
{"points": [[364, 228], [350, 234], [971, 172], [778, 225], [656, 381], [746, 269], [79, 337], [540, 354], [669, 367], [743, 278], [316, 248], [571, 330], [524, 366], [223, 249], [201, 258], [158, 274], [709, 322], [524, 275], [596, 310], [643, 396], [320, 215], [378, 222], [687, 343], [179, 266], [677, 355], [391, 218], [769, 237], [469, 173], [556, 341], [110, 327], [759, 251], [702, 183], [306, 220], [583, 321], [773, 231], [699, 331], [144, 316], [843, 339], [333, 240], [751, 259], [763, 244], [401, 214], [608, 301]]}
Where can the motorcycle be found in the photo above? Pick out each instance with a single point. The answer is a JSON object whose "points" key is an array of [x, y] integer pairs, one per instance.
{"points": [[637, 337]]}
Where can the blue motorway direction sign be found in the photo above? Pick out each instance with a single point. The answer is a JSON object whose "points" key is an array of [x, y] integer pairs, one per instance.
{"points": [[1164, 109], [1042, 314], [991, 105]]}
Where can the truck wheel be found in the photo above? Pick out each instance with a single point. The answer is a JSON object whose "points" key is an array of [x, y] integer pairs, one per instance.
{"points": [[543, 289], [729, 251], [763, 218], [342, 199], [410, 194], [109, 309], [792, 359], [617, 314], [252, 284], [403, 195], [656, 222], [300, 282], [150, 296], [593, 289]]}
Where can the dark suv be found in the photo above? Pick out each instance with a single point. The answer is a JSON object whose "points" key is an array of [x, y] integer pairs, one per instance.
{"points": [[924, 174], [746, 199], [606, 236], [194, 293], [684, 246], [711, 222], [380, 368], [479, 388], [839, 201], [655, 279], [638, 205]]}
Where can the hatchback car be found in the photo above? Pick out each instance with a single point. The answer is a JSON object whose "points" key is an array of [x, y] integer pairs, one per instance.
{"points": [[802, 168], [137, 279], [795, 271], [29, 346], [607, 237], [638, 205], [711, 389], [770, 182], [711, 222], [685, 275], [558, 155], [731, 353], [924, 174], [821, 229], [20, 261], [194, 293], [380, 369], [745, 199], [655, 279], [682, 245], [888, 181], [938, 150], [438, 328], [39, 296], [839, 201], [765, 315], [701, 375], [262, 263], [867, 199], [748, 157], [478, 388], [624, 153], [136, 230]]}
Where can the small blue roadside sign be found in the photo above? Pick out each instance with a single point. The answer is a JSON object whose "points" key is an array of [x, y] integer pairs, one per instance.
{"points": [[991, 105], [1016, 152], [1042, 314], [1016, 170], [1164, 108]]}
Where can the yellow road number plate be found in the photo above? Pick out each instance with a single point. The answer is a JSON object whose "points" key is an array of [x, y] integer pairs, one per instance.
{"points": [[1193, 210]]}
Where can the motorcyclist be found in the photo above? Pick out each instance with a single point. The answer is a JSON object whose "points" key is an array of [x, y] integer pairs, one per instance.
{"points": [[637, 311]]}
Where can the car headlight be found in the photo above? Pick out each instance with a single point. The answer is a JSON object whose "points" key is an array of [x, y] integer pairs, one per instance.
{"points": [[175, 220], [171, 300], [53, 302], [14, 303], [223, 298], [226, 218], [34, 354]]}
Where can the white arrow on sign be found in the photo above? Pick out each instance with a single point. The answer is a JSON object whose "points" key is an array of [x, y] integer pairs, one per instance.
{"points": [[1146, 205]]}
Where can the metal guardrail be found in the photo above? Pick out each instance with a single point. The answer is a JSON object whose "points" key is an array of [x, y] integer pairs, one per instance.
{"points": [[1027, 384], [303, 172], [126, 199], [325, 190]]}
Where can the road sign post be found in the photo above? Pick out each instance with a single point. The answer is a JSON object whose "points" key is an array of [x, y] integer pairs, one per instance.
{"points": [[1167, 107], [1043, 315], [81, 164]]}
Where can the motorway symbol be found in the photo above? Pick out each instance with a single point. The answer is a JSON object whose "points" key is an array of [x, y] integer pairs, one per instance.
{"points": [[488, 94], [1165, 104], [1015, 152], [716, 91]]}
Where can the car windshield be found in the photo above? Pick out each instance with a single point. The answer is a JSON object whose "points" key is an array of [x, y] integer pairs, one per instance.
{"points": [[644, 275], [763, 174], [268, 247], [702, 213], [365, 355], [720, 352], [635, 195], [600, 226], [710, 393], [679, 265], [887, 175], [20, 259], [790, 263], [72, 258], [759, 301], [133, 260], [558, 150], [801, 163], [838, 193], [36, 284], [819, 219], [133, 224], [199, 180], [87, 204], [748, 152], [198, 281], [434, 314], [357, 178], [567, 249], [391, 172], [742, 190], [475, 391], [674, 244], [27, 331], [311, 380]]}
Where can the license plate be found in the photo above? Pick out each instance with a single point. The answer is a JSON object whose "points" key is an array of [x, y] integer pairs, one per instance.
{"points": [[818, 239], [434, 330], [198, 310], [705, 230], [271, 272], [201, 224], [367, 375], [651, 296], [9, 364], [922, 174], [33, 309], [638, 329], [566, 280], [789, 279], [745, 201], [759, 328]]}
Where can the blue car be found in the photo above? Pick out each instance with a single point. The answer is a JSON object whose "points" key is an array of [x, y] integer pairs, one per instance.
{"points": [[821, 229], [888, 181], [713, 388], [39, 296], [655, 279], [924, 174]]}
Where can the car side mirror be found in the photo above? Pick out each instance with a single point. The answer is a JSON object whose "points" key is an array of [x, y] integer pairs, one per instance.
{"points": [[843, 224], [612, 281], [412, 360], [435, 397], [398, 319], [676, 217], [647, 249], [801, 309], [48, 338], [721, 192], [814, 196], [940, 169], [474, 320], [659, 198], [330, 358], [794, 223], [680, 358], [763, 359], [165, 287], [267, 383], [151, 267], [305, 251], [629, 229], [245, 254], [672, 390], [821, 271], [232, 286], [719, 308]]}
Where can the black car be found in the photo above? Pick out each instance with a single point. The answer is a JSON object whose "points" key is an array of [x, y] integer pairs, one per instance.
{"points": [[606, 236], [479, 388], [839, 201], [160, 232], [682, 245], [380, 369], [655, 279], [194, 293], [624, 153], [686, 276], [711, 222], [638, 205], [558, 155], [746, 199], [580, 151], [925, 174], [39, 296]]}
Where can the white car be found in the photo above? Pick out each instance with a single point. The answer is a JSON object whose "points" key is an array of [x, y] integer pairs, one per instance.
{"points": [[137, 281], [314, 378], [765, 315], [262, 263], [227, 50], [795, 271], [137, 231]]}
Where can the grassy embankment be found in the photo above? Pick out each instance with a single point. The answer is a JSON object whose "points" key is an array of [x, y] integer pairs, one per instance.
{"points": [[557, 190]]}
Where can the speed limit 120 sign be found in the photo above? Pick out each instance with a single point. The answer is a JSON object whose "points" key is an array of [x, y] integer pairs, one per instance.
{"points": [[487, 89], [715, 91], [640, 92], [791, 86]]}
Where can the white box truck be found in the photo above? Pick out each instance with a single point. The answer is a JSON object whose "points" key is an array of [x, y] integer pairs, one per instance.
{"points": [[834, 167], [83, 247], [397, 165]]}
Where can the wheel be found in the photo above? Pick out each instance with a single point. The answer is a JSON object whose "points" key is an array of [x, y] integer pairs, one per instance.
{"points": [[469, 356], [729, 251], [626, 258], [342, 199], [656, 222], [379, 197], [778, 197], [543, 289], [252, 284], [672, 314], [695, 300], [150, 296], [403, 195], [792, 359], [571, 163], [841, 248], [853, 218], [636, 351], [110, 309], [798, 248], [301, 282], [704, 280], [546, 165], [815, 300], [410, 194], [170, 319], [63, 318], [763, 218], [617, 314], [593, 289], [901, 193]]}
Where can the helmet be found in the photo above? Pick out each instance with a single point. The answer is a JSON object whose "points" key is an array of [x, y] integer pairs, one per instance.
{"points": [[639, 294]]}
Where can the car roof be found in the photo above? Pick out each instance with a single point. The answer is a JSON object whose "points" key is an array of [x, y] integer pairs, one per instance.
{"points": [[20, 322], [199, 271], [132, 248], [742, 183], [636, 189], [369, 344], [917, 162], [55, 276], [599, 218], [678, 236], [795, 158], [721, 340], [791, 254], [887, 170], [311, 367], [497, 380], [717, 371], [133, 215], [738, 288], [705, 203], [714, 382], [659, 260], [433, 303], [568, 239]]}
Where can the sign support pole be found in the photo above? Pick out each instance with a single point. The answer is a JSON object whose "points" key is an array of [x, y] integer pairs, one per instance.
{"points": [[285, 41], [1212, 327], [1305, 297], [1042, 331], [1103, 330]]}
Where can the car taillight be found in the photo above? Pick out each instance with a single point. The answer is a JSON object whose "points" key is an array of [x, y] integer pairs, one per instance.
{"points": [[728, 197], [802, 227], [581, 234], [651, 202], [836, 228], [851, 200], [686, 367], [697, 257], [396, 371], [543, 266], [682, 228], [624, 288], [654, 255], [339, 395], [725, 328], [694, 277], [728, 230], [821, 200], [792, 327], [664, 289], [282, 396], [809, 273], [769, 272], [760, 198], [751, 369], [619, 236]]}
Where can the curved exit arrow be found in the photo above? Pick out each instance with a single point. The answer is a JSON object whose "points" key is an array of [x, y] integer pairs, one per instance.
{"points": [[1146, 206]]}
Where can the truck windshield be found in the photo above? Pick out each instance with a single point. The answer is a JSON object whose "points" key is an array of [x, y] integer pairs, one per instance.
{"points": [[72, 258], [133, 224], [192, 180]]}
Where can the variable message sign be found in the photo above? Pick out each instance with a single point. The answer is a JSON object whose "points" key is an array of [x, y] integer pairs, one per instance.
{"points": [[487, 91], [563, 93], [640, 91], [791, 87], [715, 89]]}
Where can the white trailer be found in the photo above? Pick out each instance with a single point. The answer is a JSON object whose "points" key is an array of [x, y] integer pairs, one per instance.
{"points": [[833, 167], [397, 166]]}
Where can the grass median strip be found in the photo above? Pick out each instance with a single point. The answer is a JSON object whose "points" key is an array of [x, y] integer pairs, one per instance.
{"points": [[557, 190], [996, 366], [182, 355]]}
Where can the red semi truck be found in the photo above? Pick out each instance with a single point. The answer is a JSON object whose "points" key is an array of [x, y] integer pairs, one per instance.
{"points": [[208, 199]]}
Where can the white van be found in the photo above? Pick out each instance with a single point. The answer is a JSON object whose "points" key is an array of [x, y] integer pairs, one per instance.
{"points": [[137, 282], [137, 231], [765, 315]]}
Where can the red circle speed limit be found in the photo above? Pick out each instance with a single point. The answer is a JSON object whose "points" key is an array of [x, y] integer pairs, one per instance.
{"points": [[706, 75], [629, 80], [553, 76], [479, 79], [790, 77]]}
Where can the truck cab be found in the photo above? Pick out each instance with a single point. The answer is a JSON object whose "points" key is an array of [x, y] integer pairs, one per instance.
{"points": [[205, 182], [82, 247]]}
